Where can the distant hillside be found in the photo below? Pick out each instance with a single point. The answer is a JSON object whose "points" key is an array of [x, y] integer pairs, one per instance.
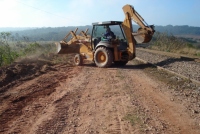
{"points": [[179, 30], [48, 33], [10, 29], [58, 33]]}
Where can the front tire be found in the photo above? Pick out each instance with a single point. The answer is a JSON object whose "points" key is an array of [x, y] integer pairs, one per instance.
{"points": [[78, 61], [103, 57]]}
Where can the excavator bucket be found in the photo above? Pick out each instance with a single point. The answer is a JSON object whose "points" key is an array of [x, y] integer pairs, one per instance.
{"points": [[142, 38]]}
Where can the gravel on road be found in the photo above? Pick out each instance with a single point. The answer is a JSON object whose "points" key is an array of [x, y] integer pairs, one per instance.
{"points": [[181, 66]]}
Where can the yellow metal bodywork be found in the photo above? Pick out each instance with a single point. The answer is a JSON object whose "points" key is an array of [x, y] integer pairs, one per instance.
{"points": [[144, 33], [81, 43], [86, 51], [77, 44]]}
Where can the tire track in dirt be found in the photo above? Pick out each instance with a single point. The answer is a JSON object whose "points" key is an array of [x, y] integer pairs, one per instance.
{"points": [[29, 100], [93, 100], [154, 105], [102, 105], [63, 99]]}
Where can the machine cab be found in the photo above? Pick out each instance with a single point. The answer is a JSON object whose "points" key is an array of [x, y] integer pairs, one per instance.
{"points": [[101, 37]]}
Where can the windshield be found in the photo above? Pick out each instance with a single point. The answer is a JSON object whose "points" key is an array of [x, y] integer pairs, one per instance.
{"points": [[99, 31]]}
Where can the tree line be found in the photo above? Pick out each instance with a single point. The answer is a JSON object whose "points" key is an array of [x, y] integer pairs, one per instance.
{"points": [[58, 33]]}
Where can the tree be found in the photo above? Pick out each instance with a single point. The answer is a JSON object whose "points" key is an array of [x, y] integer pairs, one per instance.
{"points": [[5, 36]]}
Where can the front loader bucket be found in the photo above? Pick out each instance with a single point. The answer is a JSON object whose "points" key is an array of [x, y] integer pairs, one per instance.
{"points": [[63, 48]]}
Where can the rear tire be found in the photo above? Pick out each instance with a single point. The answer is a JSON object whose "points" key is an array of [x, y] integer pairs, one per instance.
{"points": [[78, 61], [103, 57]]}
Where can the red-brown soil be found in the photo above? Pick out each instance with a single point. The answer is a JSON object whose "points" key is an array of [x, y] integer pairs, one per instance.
{"points": [[37, 96]]}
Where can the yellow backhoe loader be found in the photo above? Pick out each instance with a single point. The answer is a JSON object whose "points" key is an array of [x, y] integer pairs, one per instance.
{"points": [[106, 51]]}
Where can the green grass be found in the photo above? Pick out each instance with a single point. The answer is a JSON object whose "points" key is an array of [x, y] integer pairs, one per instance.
{"points": [[170, 43], [120, 74], [10, 51], [133, 119], [198, 54]]}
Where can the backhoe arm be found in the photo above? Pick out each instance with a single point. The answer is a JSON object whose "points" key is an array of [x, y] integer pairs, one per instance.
{"points": [[144, 33]]}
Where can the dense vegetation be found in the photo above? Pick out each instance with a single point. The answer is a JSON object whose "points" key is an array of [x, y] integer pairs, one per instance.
{"points": [[171, 43], [12, 50]]}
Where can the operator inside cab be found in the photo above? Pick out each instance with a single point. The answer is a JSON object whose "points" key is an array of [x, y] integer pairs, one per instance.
{"points": [[109, 34]]}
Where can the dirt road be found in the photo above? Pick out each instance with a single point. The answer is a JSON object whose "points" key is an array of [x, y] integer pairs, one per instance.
{"points": [[59, 98]]}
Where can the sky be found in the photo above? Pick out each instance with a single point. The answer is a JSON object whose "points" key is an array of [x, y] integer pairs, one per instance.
{"points": [[58, 13]]}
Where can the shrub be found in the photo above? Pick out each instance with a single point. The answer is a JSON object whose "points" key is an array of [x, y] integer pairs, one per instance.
{"points": [[170, 43], [9, 53], [165, 42]]}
